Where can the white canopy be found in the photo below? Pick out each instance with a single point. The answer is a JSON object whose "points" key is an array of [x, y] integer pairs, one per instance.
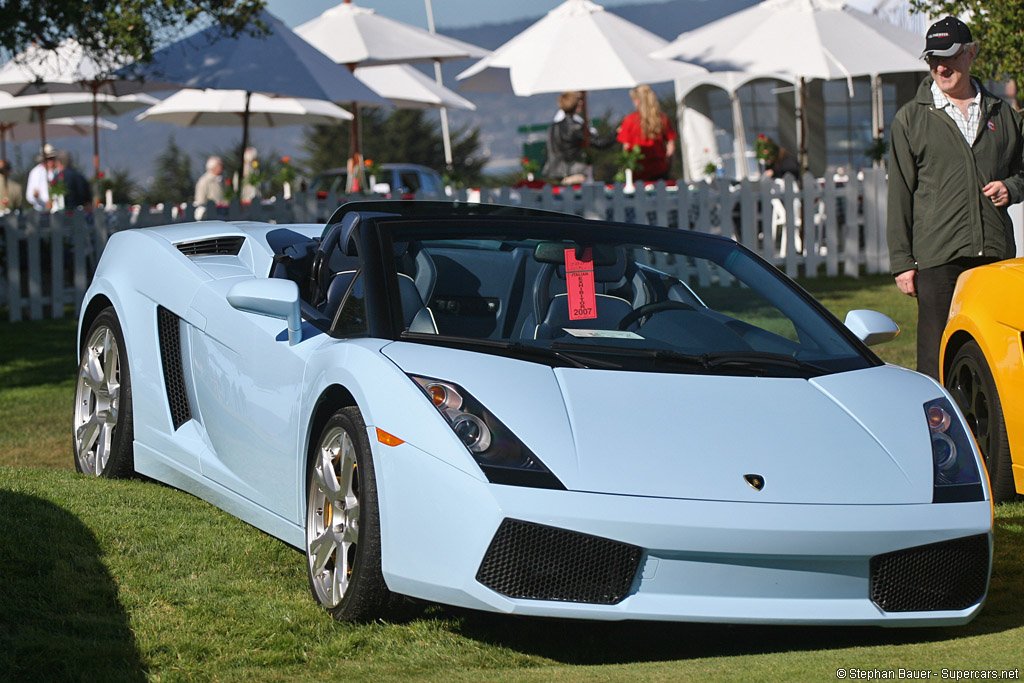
{"points": [[34, 108], [350, 34], [191, 107], [67, 68], [408, 87], [64, 127], [808, 39], [576, 46]]}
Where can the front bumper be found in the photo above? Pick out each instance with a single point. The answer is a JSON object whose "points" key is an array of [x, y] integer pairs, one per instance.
{"points": [[706, 561]]}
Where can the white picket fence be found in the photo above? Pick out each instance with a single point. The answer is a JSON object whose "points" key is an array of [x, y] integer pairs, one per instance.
{"points": [[818, 228]]}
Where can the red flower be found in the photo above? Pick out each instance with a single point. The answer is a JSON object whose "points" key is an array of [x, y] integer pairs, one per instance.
{"points": [[100, 175], [286, 160]]}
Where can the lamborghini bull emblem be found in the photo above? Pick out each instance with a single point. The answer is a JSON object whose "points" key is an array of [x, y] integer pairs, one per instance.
{"points": [[755, 480]]}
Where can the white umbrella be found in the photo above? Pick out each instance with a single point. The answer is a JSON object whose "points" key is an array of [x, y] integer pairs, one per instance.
{"points": [[357, 36], [576, 46], [68, 69], [39, 108], [350, 34], [277, 62], [408, 87], [808, 39], [192, 107], [65, 127]]}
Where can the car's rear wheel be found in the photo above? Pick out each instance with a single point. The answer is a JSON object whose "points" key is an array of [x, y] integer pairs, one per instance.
{"points": [[103, 402], [971, 383], [342, 522]]}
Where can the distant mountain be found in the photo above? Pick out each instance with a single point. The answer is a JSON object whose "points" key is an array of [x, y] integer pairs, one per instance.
{"points": [[134, 146]]}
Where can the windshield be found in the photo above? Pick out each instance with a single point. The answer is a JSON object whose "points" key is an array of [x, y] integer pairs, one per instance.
{"points": [[605, 296]]}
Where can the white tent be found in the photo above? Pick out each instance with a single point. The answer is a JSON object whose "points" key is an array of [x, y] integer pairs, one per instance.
{"points": [[805, 39]]}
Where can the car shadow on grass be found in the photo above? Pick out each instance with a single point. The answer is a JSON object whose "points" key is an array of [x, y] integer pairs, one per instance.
{"points": [[590, 643], [60, 618]]}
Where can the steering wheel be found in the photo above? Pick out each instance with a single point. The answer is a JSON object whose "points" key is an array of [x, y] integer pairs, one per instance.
{"points": [[651, 309]]}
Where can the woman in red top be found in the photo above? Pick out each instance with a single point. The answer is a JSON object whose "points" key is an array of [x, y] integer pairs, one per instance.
{"points": [[649, 129]]}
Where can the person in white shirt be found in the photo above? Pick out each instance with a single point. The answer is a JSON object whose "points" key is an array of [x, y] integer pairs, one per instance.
{"points": [[37, 188]]}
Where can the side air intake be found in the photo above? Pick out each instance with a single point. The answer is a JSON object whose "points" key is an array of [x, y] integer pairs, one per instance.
{"points": [[215, 246], [169, 329]]}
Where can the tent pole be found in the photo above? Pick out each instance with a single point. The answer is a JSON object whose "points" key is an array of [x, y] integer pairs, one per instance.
{"points": [[739, 134], [445, 133], [245, 144]]}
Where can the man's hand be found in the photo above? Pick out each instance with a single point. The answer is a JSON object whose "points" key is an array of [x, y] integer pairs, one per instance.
{"points": [[907, 282], [997, 192]]}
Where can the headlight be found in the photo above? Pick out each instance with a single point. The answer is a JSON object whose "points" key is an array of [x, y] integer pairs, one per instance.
{"points": [[503, 458], [956, 471]]}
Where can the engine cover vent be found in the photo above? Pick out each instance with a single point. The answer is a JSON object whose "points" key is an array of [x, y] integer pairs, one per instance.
{"points": [[215, 246]]}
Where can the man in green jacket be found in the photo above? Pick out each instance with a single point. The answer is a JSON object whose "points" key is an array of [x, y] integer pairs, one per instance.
{"points": [[955, 166]]}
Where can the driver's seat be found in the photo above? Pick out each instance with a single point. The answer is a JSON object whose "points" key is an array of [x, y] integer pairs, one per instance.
{"points": [[555, 310], [610, 310]]}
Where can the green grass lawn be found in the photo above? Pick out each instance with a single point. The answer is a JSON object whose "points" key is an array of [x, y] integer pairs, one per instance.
{"points": [[131, 580]]}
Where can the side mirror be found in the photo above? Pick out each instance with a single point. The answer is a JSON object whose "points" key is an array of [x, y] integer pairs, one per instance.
{"points": [[871, 327], [274, 297]]}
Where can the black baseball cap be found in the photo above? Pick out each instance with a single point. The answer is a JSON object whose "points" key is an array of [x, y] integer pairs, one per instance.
{"points": [[945, 38]]}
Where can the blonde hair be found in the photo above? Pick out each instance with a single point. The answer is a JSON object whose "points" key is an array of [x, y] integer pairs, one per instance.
{"points": [[650, 111]]}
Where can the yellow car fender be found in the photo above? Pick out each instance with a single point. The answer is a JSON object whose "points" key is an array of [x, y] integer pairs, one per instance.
{"points": [[988, 307]]}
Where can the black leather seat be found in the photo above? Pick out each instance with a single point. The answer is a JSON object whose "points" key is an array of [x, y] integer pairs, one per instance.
{"points": [[552, 310]]}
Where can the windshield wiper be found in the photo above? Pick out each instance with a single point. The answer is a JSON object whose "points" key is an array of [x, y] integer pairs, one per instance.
{"points": [[708, 361], [758, 358], [517, 349]]}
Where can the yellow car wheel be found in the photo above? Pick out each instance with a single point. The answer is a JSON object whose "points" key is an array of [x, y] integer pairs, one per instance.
{"points": [[970, 382]]}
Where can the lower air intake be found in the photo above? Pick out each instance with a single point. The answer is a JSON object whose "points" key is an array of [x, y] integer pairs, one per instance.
{"points": [[943, 576], [538, 562]]}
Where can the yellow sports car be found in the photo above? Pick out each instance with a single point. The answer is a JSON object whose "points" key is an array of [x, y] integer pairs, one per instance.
{"points": [[982, 361]]}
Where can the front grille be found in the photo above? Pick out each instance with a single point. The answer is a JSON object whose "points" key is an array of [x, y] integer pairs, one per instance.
{"points": [[942, 576], [169, 329], [538, 562], [224, 246]]}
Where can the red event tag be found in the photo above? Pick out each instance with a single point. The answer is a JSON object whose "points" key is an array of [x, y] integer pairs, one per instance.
{"points": [[579, 281]]}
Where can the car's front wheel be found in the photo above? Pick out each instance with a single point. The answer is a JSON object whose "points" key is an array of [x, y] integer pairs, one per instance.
{"points": [[342, 522], [971, 383], [103, 431]]}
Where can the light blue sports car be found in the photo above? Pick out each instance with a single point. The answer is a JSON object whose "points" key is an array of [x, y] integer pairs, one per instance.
{"points": [[526, 412]]}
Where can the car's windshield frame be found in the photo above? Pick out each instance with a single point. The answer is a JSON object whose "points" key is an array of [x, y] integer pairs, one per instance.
{"points": [[380, 233]]}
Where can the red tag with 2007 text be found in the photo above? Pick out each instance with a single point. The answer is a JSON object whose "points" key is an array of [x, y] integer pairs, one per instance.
{"points": [[579, 281]]}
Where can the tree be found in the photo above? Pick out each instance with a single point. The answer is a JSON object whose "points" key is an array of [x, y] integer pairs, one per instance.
{"points": [[122, 188], [173, 181], [996, 26], [404, 135], [112, 31]]}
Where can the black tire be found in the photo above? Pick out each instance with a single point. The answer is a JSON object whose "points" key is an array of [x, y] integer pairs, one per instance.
{"points": [[342, 548], [102, 430], [970, 382]]}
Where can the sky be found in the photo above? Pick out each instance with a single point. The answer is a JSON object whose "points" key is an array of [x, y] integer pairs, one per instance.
{"points": [[447, 13]]}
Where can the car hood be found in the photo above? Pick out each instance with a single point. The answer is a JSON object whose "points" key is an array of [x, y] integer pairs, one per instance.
{"points": [[857, 437]]}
